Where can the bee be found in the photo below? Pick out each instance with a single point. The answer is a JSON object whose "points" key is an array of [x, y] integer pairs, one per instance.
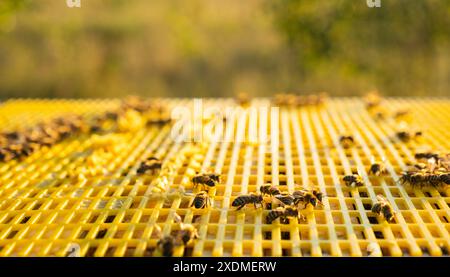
{"points": [[158, 121], [378, 167], [420, 166], [346, 141], [187, 233], [383, 208], [353, 180], [269, 189], [166, 246], [406, 136], [413, 178], [151, 164], [243, 200], [213, 176], [7, 155], [306, 197], [204, 180], [422, 179], [243, 99], [285, 199], [401, 113], [282, 212], [445, 178], [136, 103], [201, 200], [372, 99], [427, 156], [433, 180]]}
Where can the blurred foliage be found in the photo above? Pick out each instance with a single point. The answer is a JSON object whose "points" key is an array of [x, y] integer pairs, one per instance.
{"points": [[109, 48], [402, 48]]}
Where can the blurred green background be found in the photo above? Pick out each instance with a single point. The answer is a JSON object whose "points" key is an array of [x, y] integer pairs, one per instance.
{"points": [[217, 48]]}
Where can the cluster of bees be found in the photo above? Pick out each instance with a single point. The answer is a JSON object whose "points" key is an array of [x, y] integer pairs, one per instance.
{"points": [[166, 245], [432, 170], [405, 133], [18, 144], [294, 100], [15, 145], [374, 105], [289, 205], [205, 181], [434, 173]]}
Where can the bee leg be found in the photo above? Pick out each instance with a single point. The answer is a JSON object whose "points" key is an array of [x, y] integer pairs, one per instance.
{"points": [[240, 207]]}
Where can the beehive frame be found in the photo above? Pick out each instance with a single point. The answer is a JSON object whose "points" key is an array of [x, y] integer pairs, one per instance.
{"points": [[43, 211]]}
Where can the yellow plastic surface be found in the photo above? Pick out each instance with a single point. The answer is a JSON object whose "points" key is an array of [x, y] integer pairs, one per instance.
{"points": [[46, 205]]}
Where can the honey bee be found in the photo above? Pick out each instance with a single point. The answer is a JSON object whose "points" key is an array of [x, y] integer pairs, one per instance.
{"points": [[6, 155], [243, 200], [187, 233], [383, 208], [205, 180], [213, 176], [406, 136], [282, 212], [151, 165], [166, 246], [243, 99], [346, 141], [422, 179], [306, 197], [378, 167], [420, 166], [353, 180], [372, 99], [445, 178], [269, 189], [413, 178], [402, 113], [427, 156], [201, 200]]}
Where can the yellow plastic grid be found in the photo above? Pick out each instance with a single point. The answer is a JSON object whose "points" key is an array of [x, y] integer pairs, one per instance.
{"points": [[44, 209]]}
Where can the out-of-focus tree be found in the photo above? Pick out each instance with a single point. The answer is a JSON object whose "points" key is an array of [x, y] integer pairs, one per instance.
{"points": [[345, 46]]}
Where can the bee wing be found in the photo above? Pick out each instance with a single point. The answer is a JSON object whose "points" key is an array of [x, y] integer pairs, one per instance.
{"points": [[431, 164], [177, 218], [380, 198], [157, 229], [372, 159]]}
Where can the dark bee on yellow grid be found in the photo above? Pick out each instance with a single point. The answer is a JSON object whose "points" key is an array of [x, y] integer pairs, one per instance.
{"points": [[353, 180], [282, 212], [305, 197], [151, 165], [269, 189], [166, 246], [408, 135], [201, 200], [377, 168], [243, 200], [383, 208], [187, 233], [208, 180], [243, 99], [346, 141]]}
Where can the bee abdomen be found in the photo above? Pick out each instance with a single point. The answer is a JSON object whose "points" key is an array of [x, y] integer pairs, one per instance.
{"points": [[241, 200], [272, 215]]}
